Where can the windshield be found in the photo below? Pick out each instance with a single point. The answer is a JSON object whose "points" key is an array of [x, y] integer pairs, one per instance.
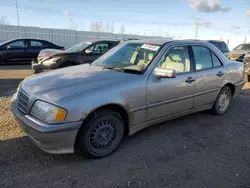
{"points": [[134, 55], [78, 47], [240, 47]]}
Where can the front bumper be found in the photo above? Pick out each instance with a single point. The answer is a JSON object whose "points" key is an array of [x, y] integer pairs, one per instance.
{"points": [[39, 67], [56, 139]]}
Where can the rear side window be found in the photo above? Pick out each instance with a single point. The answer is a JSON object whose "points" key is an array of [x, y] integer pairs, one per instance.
{"points": [[205, 58], [36, 44], [202, 57]]}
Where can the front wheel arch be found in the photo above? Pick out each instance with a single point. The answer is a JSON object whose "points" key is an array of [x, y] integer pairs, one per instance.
{"points": [[120, 109]]}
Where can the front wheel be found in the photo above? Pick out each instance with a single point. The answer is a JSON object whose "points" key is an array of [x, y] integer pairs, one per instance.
{"points": [[1, 61], [101, 134], [223, 101]]}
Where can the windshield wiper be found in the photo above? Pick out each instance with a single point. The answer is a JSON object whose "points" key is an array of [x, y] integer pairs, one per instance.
{"points": [[129, 69], [113, 68]]}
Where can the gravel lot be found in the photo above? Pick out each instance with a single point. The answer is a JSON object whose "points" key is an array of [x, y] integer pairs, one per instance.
{"points": [[200, 150]]}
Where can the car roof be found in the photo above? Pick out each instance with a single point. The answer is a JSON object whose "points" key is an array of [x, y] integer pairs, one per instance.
{"points": [[7, 41], [213, 40], [165, 41], [101, 40]]}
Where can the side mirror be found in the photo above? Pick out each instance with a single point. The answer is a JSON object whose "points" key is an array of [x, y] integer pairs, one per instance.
{"points": [[164, 73], [8, 47], [88, 51]]}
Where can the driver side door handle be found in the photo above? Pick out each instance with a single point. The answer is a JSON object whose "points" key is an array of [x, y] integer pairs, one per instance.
{"points": [[220, 74], [190, 80]]}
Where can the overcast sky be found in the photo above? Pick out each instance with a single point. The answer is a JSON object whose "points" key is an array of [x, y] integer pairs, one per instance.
{"points": [[159, 17]]}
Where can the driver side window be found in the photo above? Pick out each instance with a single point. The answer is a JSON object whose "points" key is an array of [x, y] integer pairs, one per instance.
{"points": [[177, 58], [100, 48], [16, 45]]}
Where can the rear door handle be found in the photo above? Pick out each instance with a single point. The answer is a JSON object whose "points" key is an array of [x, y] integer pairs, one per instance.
{"points": [[220, 74], [190, 80]]}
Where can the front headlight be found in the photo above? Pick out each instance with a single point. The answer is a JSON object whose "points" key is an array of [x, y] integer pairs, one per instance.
{"points": [[47, 112], [51, 61]]}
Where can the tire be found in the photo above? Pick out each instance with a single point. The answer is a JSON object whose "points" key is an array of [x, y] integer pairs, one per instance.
{"points": [[248, 78], [1, 61], [67, 64], [101, 133], [224, 97]]}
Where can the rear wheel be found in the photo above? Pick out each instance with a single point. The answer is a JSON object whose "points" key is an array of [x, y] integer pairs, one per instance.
{"points": [[101, 134], [223, 101], [67, 64]]}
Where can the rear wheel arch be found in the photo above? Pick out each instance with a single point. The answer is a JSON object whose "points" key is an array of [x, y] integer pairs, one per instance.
{"points": [[231, 86]]}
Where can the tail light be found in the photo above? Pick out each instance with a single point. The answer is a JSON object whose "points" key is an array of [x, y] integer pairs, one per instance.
{"points": [[62, 48]]}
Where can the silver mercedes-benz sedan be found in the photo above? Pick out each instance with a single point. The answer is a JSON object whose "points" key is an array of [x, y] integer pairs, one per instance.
{"points": [[135, 85]]}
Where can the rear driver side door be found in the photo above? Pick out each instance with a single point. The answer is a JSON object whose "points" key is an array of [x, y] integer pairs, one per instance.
{"points": [[209, 75], [169, 96]]}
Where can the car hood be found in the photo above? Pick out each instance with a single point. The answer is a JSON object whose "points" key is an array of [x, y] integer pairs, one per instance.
{"points": [[50, 53], [238, 52], [55, 85]]}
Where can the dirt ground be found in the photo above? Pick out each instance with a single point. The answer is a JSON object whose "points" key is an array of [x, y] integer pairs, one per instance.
{"points": [[199, 150]]}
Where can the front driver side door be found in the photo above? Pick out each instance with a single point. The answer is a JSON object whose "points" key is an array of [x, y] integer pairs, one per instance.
{"points": [[169, 96], [15, 51]]}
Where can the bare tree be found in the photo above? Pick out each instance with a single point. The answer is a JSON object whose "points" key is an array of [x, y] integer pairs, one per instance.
{"points": [[107, 27], [3, 20], [123, 30], [96, 26], [72, 24]]}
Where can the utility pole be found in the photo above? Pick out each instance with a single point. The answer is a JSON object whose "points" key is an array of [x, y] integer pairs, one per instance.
{"points": [[17, 13], [197, 28]]}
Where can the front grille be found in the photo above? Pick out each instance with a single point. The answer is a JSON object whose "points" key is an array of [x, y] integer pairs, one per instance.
{"points": [[23, 101]]}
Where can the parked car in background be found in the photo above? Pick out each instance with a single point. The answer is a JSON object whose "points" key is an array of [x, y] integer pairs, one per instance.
{"points": [[239, 52], [23, 50], [84, 52], [135, 85], [221, 45], [126, 39], [247, 65]]}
